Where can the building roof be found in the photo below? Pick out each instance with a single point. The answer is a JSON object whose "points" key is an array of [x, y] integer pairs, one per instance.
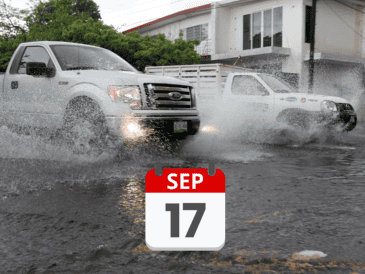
{"points": [[175, 16]]}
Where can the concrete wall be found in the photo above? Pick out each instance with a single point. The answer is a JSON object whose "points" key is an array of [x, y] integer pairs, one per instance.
{"points": [[230, 28], [336, 27], [293, 35], [223, 28]]}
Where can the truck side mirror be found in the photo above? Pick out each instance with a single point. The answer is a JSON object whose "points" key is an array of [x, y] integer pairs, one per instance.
{"points": [[39, 69]]}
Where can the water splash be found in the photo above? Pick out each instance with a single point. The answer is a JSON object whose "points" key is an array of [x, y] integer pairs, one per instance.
{"points": [[13, 145]]}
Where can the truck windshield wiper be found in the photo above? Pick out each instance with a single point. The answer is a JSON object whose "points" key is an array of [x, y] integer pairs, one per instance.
{"points": [[82, 68]]}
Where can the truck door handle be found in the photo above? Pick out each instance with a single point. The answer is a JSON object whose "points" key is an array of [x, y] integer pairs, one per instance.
{"points": [[14, 84]]}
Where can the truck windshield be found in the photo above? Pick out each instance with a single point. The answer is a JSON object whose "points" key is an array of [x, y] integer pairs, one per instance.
{"points": [[72, 57], [277, 85]]}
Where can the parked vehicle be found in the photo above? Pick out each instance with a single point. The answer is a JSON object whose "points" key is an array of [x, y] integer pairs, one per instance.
{"points": [[264, 96], [92, 95]]}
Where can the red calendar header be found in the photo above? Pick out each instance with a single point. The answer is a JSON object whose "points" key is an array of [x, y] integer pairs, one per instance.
{"points": [[185, 180]]}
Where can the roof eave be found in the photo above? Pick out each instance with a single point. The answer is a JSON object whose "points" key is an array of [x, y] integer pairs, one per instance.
{"points": [[227, 3], [172, 18]]}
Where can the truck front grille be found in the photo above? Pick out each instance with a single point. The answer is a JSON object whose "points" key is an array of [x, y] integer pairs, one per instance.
{"points": [[164, 96], [344, 107]]}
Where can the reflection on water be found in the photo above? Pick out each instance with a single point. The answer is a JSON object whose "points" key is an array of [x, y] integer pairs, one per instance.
{"points": [[281, 199]]}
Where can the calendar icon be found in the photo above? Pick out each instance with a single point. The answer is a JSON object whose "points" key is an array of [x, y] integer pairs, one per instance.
{"points": [[185, 209]]}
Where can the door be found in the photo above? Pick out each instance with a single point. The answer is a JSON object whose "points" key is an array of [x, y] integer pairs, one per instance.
{"points": [[32, 100], [252, 99]]}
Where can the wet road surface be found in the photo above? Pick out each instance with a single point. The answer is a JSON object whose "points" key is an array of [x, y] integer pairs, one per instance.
{"points": [[285, 193]]}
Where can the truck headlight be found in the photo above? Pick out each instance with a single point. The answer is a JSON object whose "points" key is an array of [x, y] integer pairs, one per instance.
{"points": [[126, 94], [328, 106]]}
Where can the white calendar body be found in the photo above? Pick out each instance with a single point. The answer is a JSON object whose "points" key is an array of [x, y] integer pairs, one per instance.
{"points": [[209, 234], [185, 210]]}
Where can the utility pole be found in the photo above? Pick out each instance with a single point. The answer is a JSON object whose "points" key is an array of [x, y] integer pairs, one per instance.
{"points": [[312, 37]]}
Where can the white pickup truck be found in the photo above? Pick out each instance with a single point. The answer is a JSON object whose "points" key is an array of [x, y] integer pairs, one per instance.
{"points": [[263, 97], [271, 99], [91, 94]]}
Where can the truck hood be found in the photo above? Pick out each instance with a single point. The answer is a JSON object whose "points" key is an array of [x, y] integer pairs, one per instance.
{"points": [[148, 78], [315, 97], [104, 78]]}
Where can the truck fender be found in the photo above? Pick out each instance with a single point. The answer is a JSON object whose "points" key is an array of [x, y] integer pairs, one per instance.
{"points": [[90, 91], [295, 117]]}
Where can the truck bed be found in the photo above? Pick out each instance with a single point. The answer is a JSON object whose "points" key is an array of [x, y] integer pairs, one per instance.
{"points": [[208, 79]]}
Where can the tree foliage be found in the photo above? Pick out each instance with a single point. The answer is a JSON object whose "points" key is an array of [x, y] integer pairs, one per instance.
{"points": [[137, 50], [162, 52], [48, 20], [79, 21], [7, 48], [12, 20]]}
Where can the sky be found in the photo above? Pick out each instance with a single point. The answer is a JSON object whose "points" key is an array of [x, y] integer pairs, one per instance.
{"points": [[126, 14]]}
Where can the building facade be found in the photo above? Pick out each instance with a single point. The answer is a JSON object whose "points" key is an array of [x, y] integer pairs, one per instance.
{"points": [[273, 36]]}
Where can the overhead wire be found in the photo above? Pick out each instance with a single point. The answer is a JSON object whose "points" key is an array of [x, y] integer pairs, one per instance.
{"points": [[142, 10], [349, 6], [211, 8], [140, 4], [339, 16]]}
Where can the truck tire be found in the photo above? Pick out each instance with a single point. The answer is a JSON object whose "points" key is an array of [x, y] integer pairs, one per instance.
{"points": [[84, 127]]}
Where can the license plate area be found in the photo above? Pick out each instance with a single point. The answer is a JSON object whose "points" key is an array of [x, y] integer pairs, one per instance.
{"points": [[181, 126], [352, 119]]}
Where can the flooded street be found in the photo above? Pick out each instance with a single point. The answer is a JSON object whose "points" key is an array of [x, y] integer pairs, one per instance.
{"points": [[286, 192]]}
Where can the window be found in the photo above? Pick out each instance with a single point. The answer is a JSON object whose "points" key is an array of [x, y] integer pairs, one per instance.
{"points": [[34, 54], [277, 85], [266, 27], [308, 12], [256, 30], [247, 85], [278, 27], [247, 31], [74, 57], [199, 33]]}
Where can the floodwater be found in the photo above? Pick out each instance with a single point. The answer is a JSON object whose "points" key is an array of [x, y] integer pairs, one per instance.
{"points": [[287, 191]]}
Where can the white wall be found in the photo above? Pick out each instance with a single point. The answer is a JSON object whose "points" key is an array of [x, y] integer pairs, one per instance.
{"points": [[293, 35], [336, 27], [223, 27], [230, 36], [337, 79]]}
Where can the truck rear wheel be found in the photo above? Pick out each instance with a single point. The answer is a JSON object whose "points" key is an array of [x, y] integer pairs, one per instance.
{"points": [[85, 129]]}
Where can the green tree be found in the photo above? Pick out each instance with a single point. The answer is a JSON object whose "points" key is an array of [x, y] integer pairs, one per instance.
{"points": [[162, 52], [137, 50], [7, 47], [12, 20], [48, 20], [45, 21], [79, 21]]}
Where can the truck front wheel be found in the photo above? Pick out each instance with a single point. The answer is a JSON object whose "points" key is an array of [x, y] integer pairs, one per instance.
{"points": [[84, 128], [295, 117]]}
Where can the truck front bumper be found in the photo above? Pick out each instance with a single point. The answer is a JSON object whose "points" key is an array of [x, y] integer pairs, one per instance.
{"points": [[346, 119], [127, 128]]}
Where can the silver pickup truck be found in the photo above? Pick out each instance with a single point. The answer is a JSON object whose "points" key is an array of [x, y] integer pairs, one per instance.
{"points": [[92, 95]]}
